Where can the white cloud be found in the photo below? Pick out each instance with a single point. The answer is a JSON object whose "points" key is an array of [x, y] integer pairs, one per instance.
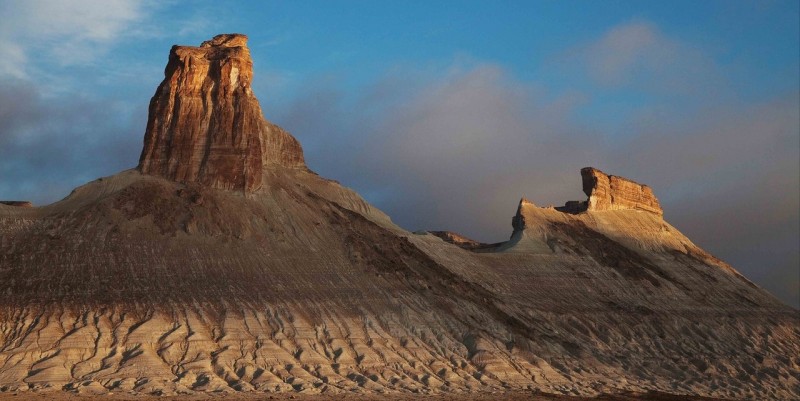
{"points": [[67, 32], [623, 48], [89, 20], [639, 55], [13, 60]]}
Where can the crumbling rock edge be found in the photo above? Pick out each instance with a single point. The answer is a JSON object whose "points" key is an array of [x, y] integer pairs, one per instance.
{"points": [[610, 192]]}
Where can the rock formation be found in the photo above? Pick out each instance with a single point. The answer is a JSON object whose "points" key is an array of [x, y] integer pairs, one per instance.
{"points": [[17, 203], [165, 280], [462, 241], [205, 124], [610, 192]]}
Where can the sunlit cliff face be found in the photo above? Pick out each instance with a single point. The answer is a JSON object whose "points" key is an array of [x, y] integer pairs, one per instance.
{"points": [[205, 123]]}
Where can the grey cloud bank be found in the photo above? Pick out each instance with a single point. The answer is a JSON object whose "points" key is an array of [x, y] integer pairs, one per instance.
{"points": [[48, 146]]}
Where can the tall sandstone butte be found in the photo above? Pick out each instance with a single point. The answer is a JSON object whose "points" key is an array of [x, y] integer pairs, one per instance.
{"points": [[205, 124]]}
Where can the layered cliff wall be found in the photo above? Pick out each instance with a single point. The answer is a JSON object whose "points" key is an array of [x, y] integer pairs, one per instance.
{"points": [[610, 192], [205, 124]]}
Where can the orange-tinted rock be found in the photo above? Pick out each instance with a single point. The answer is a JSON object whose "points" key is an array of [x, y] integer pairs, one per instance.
{"points": [[456, 239], [610, 192], [464, 242], [205, 124]]}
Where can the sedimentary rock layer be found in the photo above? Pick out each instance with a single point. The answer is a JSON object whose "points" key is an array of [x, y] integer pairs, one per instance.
{"points": [[17, 203], [610, 192], [205, 124], [463, 242]]}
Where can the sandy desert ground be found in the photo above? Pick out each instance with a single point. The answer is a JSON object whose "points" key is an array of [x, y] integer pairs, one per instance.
{"points": [[511, 396]]}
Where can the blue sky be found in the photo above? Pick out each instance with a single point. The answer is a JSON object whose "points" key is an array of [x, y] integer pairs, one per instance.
{"points": [[445, 113]]}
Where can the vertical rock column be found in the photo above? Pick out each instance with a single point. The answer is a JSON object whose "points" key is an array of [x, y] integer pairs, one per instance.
{"points": [[205, 124]]}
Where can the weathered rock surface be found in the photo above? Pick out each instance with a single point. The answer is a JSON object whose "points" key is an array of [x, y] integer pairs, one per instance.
{"points": [[462, 241], [136, 283], [17, 203], [205, 124], [173, 283], [610, 192]]}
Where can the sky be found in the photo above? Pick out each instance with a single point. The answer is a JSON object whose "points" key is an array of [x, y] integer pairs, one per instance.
{"points": [[444, 114]]}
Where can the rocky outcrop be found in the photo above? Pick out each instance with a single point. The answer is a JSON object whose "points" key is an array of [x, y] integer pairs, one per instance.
{"points": [[17, 203], [205, 124], [518, 221], [463, 241], [610, 192]]}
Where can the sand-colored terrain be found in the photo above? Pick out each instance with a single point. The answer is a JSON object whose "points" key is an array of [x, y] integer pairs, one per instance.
{"points": [[135, 283], [294, 286], [482, 396]]}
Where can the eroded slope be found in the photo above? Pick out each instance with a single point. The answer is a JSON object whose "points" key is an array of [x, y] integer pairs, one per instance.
{"points": [[137, 283]]}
